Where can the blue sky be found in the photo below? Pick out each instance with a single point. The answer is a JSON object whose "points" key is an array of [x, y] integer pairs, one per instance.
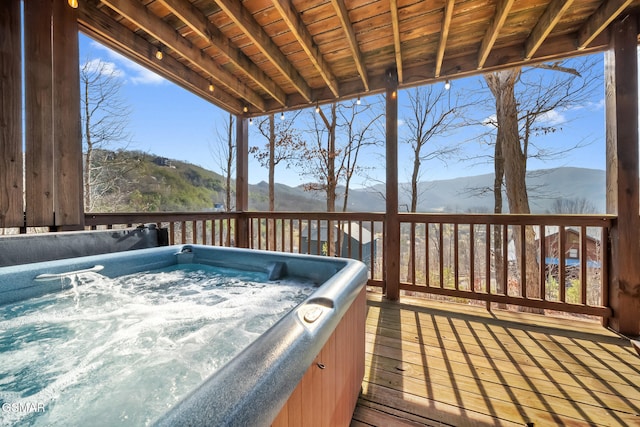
{"points": [[169, 121]]}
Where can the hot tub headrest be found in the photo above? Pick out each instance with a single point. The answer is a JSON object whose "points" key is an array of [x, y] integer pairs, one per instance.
{"points": [[28, 248]]}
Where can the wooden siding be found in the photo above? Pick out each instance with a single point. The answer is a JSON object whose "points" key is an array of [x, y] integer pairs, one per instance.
{"points": [[440, 364]]}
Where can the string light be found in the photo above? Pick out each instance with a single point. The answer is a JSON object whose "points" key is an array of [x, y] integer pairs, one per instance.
{"points": [[317, 108], [211, 87], [447, 85], [73, 3], [245, 109], [159, 54], [358, 101], [282, 116], [250, 121], [394, 94]]}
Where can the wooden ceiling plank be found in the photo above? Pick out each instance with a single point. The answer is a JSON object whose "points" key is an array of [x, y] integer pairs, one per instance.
{"points": [[597, 23], [151, 24], [395, 24], [247, 23], [444, 34], [300, 32], [104, 29], [201, 25], [545, 25], [345, 22], [502, 11]]}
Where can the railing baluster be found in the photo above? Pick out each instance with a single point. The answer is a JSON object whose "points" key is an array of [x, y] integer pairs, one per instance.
{"points": [[472, 257], [456, 258], [584, 260], [440, 242], [543, 262], [523, 261]]}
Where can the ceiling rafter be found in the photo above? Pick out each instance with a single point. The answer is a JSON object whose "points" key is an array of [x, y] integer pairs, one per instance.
{"points": [[545, 25], [103, 28], [300, 32], [200, 24], [157, 28], [444, 34], [597, 23], [502, 11], [243, 19], [345, 22], [395, 25]]}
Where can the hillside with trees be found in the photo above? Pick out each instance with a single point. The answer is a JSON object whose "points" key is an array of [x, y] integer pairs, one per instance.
{"points": [[133, 181]]}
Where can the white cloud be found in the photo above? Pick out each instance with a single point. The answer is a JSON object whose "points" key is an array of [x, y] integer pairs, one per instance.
{"points": [[103, 67], [136, 74], [491, 121], [552, 118]]}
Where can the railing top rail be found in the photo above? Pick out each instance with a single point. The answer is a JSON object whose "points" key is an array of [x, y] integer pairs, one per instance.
{"points": [[511, 219], [130, 217], [353, 216]]}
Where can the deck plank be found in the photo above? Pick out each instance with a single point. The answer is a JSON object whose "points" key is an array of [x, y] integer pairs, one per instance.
{"points": [[442, 364]]}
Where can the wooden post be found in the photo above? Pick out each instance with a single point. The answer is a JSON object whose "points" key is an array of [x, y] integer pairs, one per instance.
{"points": [[621, 80], [53, 165], [242, 181], [67, 135], [38, 112], [392, 235], [11, 209]]}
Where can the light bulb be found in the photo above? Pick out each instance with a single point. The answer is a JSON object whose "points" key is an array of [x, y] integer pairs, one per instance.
{"points": [[245, 109], [250, 121], [73, 3], [159, 54], [318, 109], [282, 116], [211, 87], [447, 85], [358, 101]]}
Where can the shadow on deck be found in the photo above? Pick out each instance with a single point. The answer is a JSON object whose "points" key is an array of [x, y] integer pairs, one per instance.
{"points": [[435, 364]]}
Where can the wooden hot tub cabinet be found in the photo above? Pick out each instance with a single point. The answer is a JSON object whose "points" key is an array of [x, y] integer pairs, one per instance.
{"points": [[328, 392]]}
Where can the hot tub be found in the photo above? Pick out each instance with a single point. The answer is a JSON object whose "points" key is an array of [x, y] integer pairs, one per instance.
{"points": [[305, 369]]}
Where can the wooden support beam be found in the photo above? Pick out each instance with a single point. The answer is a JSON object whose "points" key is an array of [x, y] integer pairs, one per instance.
{"points": [[623, 199], [392, 234], [242, 181], [444, 35], [67, 136], [502, 11], [243, 19], [201, 25], [39, 159], [104, 29], [300, 32], [545, 25], [606, 13], [397, 46], [11, 209], [157, 28], [345, 23]]}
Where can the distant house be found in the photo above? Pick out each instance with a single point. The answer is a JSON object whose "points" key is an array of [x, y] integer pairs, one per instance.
{"points": [[571, 249], [162, 161], [346, 241], [218, 207]]}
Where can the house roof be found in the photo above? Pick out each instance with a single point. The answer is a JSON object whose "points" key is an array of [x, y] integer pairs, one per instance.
{"points": [[272, 55], [352, 230]]}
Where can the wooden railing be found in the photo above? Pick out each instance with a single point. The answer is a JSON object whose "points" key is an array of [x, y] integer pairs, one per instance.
{"points": [[471, 258]]}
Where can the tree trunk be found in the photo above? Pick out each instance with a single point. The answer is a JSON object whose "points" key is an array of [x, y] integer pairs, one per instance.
{"points": [[331, 178], [502, 85], [89, 154], [229, 163], [497, 230]]}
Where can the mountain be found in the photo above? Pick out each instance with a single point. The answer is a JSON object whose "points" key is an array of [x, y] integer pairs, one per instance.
{"points": [[473, 194], [145, 182]]}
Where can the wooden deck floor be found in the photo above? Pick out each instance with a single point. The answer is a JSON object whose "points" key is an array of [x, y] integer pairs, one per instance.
{"points": [[439, 364]]}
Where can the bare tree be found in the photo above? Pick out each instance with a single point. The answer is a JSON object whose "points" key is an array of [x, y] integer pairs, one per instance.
{"points": [[283, 144], [431, 116], [522, 103], [331, 164], [105, 121], [578, 205], [224, 154]]}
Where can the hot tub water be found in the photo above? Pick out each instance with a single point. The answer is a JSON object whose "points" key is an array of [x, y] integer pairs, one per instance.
{"points": [[141, 341]]}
